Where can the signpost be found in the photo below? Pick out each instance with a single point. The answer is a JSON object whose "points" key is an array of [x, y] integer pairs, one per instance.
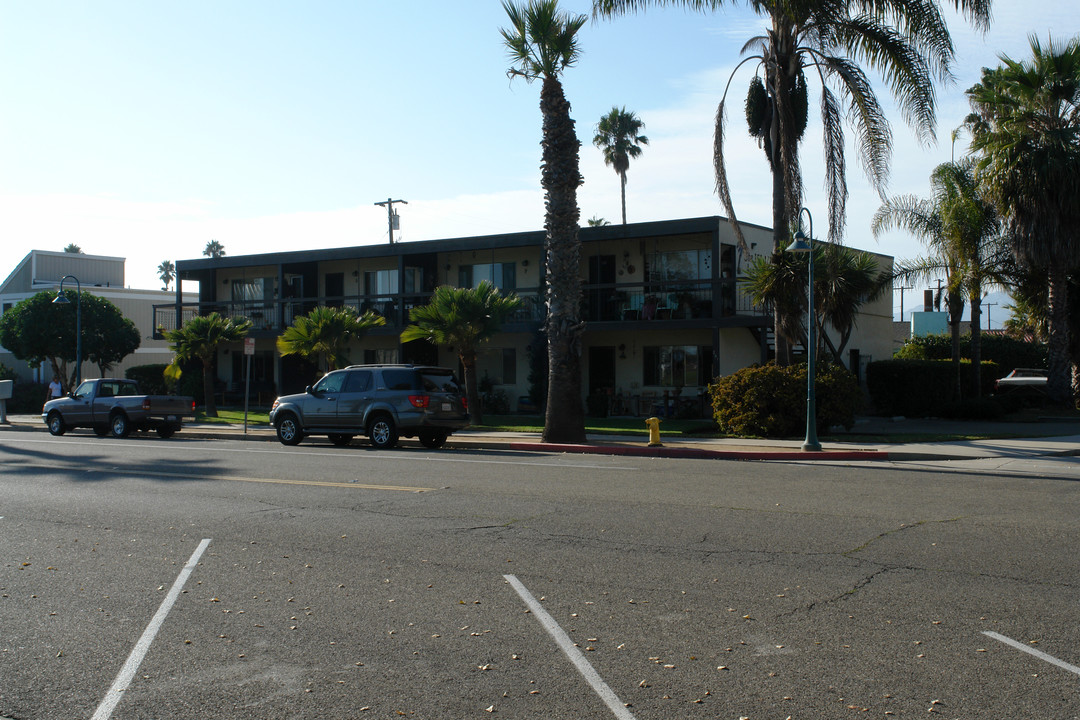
{"points": [[249, 350]]}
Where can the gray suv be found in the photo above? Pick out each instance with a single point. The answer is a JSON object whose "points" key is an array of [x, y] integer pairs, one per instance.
{"points": [[380, 401]]}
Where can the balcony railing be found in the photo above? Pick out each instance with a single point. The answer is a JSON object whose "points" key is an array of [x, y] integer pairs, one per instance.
{"points": [[683, 300]]}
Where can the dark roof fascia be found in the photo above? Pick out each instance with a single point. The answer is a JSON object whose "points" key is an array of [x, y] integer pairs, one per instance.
{"points": [[477, 242]]}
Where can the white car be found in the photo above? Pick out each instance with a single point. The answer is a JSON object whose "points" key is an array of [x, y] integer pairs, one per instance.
{"points": [[1022, 377]]}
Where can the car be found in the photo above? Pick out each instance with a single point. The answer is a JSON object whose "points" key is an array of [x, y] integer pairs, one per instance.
{"points": [[383, 402], [112, 405], [1022, 378]]}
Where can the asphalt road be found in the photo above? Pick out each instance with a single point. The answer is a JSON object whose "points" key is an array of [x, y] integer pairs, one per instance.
{"points": [[218, 579]]}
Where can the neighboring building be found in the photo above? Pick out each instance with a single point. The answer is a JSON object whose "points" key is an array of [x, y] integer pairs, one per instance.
{"points": [[663, 303], [103, 276]]}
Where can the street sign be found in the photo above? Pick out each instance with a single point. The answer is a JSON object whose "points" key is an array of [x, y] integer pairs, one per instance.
{"points": [[249, 346]]}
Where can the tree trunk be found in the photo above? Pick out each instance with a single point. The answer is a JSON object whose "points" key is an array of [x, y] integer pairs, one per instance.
{"points": [[976, 341], [955, 303], [209, 407], [780, 236], [564, 421], [1059, 380], [622, 189], [472, 392]]}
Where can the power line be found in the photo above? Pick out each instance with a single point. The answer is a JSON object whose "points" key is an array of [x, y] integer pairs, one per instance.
{"points": [[391, 216]]}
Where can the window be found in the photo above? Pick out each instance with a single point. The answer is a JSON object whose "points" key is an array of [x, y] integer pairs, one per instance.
{"points": [[399, 379], [358, 381], [380, 356], [331, 383], [381, 282], [254, 290], [680, 265], [676, 365], [335, 288], [501, 275]]}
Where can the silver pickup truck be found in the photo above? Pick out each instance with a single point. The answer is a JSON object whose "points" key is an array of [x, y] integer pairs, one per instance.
{"points": [[109, 405]]}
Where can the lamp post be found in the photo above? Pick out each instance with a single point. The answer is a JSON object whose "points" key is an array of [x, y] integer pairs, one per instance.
{"points": [[61, 299], [805, 244]]}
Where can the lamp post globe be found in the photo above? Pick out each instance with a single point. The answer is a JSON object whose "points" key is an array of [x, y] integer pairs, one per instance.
{"points": [[61, 299]]}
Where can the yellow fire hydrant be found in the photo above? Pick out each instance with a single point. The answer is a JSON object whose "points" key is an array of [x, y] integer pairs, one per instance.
{"points": [[654, 432]]}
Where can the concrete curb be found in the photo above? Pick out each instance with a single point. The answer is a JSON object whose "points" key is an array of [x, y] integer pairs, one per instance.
{"points": [[702, 453]]}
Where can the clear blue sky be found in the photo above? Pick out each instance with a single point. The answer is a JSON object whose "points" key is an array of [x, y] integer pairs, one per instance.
{"points": [[144, 129]]}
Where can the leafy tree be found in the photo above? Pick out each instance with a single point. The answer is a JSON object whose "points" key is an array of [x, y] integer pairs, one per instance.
{"points": [[214, 249], [844, 280], [201, 338], [542, 43], [907, 42], [72, 248], [960, 227], [617, 135], [324, 334], [166, 271], [1026, 124], [37, 330], [465, 318]]}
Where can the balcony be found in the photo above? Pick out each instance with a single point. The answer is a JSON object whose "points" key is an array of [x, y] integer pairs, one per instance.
{"points": [[618, 302]]}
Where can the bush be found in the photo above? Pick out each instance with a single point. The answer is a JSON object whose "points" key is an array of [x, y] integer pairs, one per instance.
{"points": [[770, 401], [1008, 352], [495, 402], [27, 398], [918, 388], [151, 378]]}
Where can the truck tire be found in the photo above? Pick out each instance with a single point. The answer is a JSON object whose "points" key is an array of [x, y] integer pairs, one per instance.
{"points": [[119, 426], [56, 423], [288, 430], [382, 432]]}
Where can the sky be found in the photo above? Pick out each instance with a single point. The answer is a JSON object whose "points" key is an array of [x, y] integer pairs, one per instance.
{"points": [[144, 130]]}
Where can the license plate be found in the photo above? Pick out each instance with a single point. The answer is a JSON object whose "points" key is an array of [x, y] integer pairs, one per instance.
{"points": [[447, 407]]}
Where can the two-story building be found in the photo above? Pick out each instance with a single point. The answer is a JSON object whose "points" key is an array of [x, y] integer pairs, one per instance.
{"points": [[663, 301]]}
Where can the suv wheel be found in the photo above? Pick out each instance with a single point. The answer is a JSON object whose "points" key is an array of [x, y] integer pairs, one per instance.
{"points": [[382, 432], [288, 430]]}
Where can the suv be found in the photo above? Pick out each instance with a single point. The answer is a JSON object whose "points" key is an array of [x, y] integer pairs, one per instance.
{"points": [[380, 401]]}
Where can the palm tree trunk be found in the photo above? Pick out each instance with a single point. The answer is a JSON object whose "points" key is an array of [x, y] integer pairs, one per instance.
{"points": [[560, 177], [780, 237], [472, 392], [209, 408], [622, 188], [1058, 382], [976, 341]]}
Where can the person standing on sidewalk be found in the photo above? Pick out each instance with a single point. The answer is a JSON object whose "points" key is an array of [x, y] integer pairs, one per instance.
{"points": [[55, 389]]}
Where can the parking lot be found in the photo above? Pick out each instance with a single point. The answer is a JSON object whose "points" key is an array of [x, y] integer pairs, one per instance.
{"points": [[214, 579]]}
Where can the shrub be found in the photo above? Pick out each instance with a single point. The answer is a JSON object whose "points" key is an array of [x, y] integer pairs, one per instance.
{"points": [[27, 398], [1008, 352], [495, 402], [918, 388], [770, 401], [151, 378]]}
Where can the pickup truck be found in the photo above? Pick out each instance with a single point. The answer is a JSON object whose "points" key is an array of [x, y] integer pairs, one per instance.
{"points": [[109, 405]]}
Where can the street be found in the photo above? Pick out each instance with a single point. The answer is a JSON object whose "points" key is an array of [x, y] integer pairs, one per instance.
{"points": [[227, 579]]}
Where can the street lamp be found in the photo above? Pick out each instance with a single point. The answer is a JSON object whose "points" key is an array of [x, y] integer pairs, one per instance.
{"points": [[805, 244], [61, 299]]}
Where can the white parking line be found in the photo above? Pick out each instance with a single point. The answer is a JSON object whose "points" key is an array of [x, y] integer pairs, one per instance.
{"points": [[574, 654], [135, 659], [1032, 651]]}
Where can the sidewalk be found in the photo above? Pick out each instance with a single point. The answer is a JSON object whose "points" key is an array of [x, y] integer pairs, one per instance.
{"points": [[1051, 438]]}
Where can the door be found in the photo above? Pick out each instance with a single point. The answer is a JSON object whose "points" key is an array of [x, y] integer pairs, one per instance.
{"points": [[321, 406], [602, 301], [602, 371], [354, 399]]}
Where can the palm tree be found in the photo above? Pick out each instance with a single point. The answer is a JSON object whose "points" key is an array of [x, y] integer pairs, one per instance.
{"points": [[72, 248], [844, 280], [907, 42], [166, 271], [201, 337], [961, 229], [595, 221], [1026, 122], [214, 249], [324, 334], [542, 43], [465, 318], [617, 135]]}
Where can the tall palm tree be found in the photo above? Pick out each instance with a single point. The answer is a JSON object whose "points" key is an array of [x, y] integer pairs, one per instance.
{"points": [[961, 229], [617, 136], [72, 248], [324, 334], [166, 271], [1026, 122], [465, 318], [201, 338], [542, 43], [214, 249], [907, 42]]}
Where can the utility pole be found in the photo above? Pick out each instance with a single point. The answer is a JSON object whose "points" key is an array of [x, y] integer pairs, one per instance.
{"points": [[391, 216], [902, 288], [988, 306]]}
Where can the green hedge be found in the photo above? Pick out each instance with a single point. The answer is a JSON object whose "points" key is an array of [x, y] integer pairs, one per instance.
{"points": [[770, 401], [1008, 352], [920, 388], [151, 378]]}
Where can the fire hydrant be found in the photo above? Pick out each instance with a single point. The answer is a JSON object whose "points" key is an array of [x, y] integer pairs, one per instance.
{"points": [[654, 432]]}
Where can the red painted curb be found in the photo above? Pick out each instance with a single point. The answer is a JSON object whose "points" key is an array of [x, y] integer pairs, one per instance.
{"points": [[701, 453]]}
